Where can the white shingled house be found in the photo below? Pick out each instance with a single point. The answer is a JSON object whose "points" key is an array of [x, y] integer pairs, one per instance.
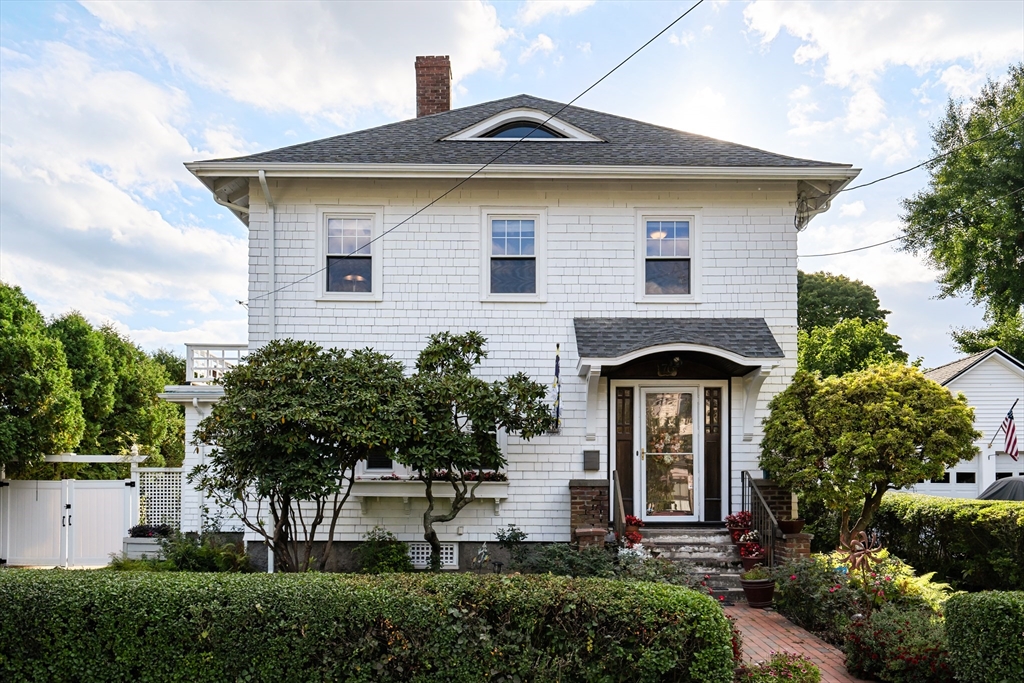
{"points": [[991, 381], [662, 263]]}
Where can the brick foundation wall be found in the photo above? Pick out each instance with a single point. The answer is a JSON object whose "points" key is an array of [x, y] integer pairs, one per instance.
{"points": [[781, 500], [588, 505], [792, 547], [433, 85]]}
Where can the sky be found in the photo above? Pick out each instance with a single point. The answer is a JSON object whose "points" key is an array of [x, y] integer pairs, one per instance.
{"points": [[102, 102]]}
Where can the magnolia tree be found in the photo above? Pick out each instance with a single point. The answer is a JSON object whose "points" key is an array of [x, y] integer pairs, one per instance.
{"points": [[286, 437], [459, 419], [844, 441]]}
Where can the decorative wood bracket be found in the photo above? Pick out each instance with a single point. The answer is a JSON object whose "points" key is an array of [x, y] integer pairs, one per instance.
{"points": [[752, 382], [592, 374]]}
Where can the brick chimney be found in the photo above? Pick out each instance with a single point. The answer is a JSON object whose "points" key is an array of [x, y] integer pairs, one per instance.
{"points": [[433, 85]]}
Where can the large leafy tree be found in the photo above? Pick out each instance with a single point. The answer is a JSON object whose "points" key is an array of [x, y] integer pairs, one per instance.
{"points": [[287, 435], [1007, 333], [91, 371], [847, 346], [969, 221], [844, 441], [173, 446], [40, 412], [824, 299], [460, 416]]}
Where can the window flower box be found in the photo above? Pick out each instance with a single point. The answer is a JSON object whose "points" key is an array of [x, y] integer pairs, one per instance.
{"points": [[366, 490]]}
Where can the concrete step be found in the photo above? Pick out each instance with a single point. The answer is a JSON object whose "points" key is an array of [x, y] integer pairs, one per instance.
{"points": [[709, 546]]}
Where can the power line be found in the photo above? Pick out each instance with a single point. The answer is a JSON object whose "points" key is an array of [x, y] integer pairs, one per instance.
{"points": [[493, 160], [894, 239]]}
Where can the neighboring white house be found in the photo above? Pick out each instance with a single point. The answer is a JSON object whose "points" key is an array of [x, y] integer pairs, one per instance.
{"points": [[991, 381], [663, 263]]}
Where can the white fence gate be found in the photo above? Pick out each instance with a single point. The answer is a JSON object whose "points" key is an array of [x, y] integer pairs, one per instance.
{"points": [[68, 523]]}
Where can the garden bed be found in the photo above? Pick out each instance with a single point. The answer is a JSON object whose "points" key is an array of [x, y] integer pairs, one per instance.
{"points": [[100, 626]]}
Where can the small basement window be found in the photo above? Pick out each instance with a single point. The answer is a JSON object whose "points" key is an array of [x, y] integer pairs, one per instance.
{"points": [[965, 477], [419, 554], [523, 129]]}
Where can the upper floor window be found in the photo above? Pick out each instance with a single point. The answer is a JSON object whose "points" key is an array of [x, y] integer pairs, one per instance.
{"points": [[667, 257], [522, 129], [667, 267], [349, 254], [513, 267]]}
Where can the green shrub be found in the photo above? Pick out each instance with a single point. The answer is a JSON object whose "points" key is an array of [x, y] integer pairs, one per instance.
{"points": [[138, 626], [188, 553], [382, 553], [899, 645], [783, 666], [973, 544], [562, 559], [986, 636]]}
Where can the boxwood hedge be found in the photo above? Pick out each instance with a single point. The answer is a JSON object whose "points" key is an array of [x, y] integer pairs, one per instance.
{"points": [[973, 544], [985, 632], [128, 626]]}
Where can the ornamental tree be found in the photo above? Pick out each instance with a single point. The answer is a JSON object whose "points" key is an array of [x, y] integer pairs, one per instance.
{"points": [[460, 416], [287, 435], [844, 441], [847, 346], [40, 411]]}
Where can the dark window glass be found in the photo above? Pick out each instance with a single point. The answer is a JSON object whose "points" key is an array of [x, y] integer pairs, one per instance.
{"points": [[965, 478], [668, 276], [378, 461], [944, 479], [352, 274], [522, 129], [513, 276], [1003, 475]]}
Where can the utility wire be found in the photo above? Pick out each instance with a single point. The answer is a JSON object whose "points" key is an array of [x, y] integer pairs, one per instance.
{"points": [[894, 239], [493, 160]]}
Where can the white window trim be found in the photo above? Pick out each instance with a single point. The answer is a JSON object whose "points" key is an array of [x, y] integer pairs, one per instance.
{"points": [[539, 216], [571, 132], [376, 215], [365, 472], [693, 215]]}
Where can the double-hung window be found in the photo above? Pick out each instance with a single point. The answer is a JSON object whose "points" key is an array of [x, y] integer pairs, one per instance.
{"points": [[514, 258], [349, 255], [666, 268]]}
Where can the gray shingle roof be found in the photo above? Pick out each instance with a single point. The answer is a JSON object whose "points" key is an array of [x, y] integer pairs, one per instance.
{"points": [[950, 371], [628, 143], [613, 337]]}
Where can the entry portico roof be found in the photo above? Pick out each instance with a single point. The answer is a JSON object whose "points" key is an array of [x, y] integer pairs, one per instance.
{"points": [[617, 337]]}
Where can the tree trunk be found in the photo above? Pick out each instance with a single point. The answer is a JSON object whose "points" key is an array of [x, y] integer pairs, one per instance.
{"points": [[463, 497]]}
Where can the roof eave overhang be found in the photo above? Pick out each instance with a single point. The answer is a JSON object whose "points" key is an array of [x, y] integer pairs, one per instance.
{"points": [[586, 365], [206, 170]]}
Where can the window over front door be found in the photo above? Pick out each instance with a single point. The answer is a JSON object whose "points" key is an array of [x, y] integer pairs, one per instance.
{"points": [[349, 254], [667, 252], [513, 265]]}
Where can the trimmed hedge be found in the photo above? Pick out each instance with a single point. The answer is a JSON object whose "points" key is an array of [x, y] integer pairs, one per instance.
{"points": [[973, 544], [985, 632], [127, 626]]}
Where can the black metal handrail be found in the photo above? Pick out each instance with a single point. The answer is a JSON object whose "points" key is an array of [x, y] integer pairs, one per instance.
{"points": [[762, 519]]}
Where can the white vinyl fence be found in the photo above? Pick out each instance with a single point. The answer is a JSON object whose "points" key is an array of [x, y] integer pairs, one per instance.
{"points": [[67, 523]]}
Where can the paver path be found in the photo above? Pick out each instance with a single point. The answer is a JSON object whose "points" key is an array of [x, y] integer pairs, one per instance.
{"points": [[766, 631]]}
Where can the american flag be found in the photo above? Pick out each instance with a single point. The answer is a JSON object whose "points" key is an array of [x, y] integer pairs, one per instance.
{"points": [[558, 387], [1010, 432]]}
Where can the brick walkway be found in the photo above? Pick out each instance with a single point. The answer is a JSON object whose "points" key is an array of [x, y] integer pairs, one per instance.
{"points": [[765, 631]]}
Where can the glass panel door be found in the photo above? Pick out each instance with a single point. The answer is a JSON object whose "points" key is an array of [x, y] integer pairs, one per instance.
{"points": [[667, 456]]}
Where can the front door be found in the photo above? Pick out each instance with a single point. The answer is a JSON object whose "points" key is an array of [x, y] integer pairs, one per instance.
{"points": [[669, 466]]}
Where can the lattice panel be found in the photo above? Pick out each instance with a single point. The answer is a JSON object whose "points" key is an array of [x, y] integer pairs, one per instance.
{"points": [[160, 496], [419, 553], [208, 364]]}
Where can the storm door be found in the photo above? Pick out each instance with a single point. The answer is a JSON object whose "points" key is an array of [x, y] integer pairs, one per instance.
{"points": [[669, 467]]}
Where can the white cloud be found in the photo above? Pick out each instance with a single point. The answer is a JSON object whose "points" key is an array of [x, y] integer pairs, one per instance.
{"points": [[879, 266], [317, 59], [684, 38], [852, 209], [851, 46], [533, 11], [83, 149], [541, 44]]}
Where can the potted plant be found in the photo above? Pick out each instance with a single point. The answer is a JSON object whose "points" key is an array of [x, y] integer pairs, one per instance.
{"points": [[633, 524], [738, 524], [791, 526], [751, 555], [758, 587]]}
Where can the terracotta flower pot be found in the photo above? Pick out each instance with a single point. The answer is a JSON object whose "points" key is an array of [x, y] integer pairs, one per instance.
{"points": [[791, 526], [759, 592], [751, 562], [630, 529]]}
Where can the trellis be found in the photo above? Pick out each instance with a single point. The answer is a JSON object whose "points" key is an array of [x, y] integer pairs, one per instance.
{"points": [[160, 495]]}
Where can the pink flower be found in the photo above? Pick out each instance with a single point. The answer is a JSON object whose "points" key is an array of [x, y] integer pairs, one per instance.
{"points": [[792, 577]]}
